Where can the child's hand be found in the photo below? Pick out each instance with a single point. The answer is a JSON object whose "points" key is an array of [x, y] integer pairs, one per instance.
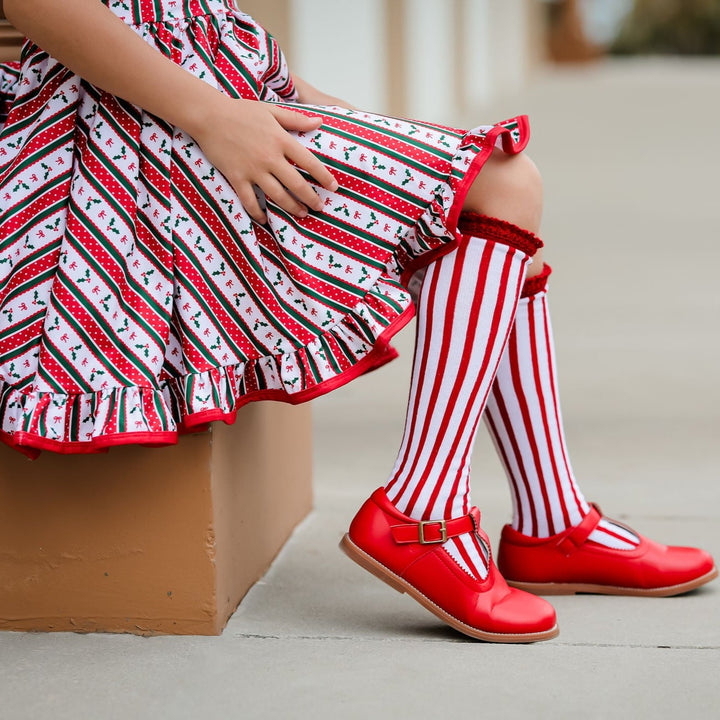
{"points": [[248, 142]]}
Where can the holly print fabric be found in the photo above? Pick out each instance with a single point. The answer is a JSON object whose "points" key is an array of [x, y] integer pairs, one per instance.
{"points": [[137, 297]]}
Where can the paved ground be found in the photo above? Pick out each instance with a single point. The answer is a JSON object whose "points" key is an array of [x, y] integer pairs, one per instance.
{"points": [[630, 153]]}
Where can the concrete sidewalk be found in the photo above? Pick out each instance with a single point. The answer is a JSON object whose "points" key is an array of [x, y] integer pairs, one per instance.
{"points": [[630, 153]]}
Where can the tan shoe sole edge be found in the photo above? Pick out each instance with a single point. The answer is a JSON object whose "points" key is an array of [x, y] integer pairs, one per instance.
{"points": [[397, 583], [573, 588]]}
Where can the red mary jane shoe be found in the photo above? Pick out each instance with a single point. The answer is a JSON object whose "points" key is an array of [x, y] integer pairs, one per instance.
{"points": [[564, 564], [408, 556]]}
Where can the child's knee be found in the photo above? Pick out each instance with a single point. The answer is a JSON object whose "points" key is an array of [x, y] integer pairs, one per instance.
{"points": [[525, 180], [508, 187]]}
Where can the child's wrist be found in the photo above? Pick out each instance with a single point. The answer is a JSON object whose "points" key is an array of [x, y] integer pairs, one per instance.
{"points": [[196, 115]]}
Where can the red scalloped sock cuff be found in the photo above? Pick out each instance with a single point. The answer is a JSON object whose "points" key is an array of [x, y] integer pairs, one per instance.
{"points": [[500, 231], [536, 284]]}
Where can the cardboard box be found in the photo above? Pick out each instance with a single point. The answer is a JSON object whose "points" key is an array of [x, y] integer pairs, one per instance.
{"points": [[149, 541]]}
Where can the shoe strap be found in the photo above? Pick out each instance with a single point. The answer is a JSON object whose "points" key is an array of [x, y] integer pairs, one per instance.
{"points": [[430, 532], [581, 532]]}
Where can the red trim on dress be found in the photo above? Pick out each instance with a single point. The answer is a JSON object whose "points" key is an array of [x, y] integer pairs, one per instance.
{"points": [[488, 145], [30, 444]]}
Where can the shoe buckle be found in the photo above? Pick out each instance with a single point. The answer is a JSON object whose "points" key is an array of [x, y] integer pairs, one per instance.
{"points": [[421, 532]]}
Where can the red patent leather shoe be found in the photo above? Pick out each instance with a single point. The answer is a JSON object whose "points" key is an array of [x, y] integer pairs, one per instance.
{"points": [[408, 556], [564, 564]]}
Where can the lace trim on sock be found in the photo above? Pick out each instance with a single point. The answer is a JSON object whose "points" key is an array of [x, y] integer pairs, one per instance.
{"points": [[537, 284], [500, 231]]}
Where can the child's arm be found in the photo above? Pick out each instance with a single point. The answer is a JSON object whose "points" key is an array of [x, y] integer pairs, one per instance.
{"points": [[246, 140], [309, 95]]}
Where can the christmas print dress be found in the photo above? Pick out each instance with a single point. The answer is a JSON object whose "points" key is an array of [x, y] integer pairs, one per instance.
{"points": [[137, 297]]}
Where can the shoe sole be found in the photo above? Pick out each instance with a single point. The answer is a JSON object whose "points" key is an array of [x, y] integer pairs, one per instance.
{"points": [[594, 589], [402, 586]]}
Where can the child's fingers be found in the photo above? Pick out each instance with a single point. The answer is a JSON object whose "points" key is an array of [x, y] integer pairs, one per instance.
{"points": [[298, 186], [246, 194], [277, 192], [292, 120], [268, 157], [301, 156], [304, 159]]}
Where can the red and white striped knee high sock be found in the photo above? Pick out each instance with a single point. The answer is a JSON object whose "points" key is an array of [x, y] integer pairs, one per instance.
{"points": [[465, 312], [524, 417]]}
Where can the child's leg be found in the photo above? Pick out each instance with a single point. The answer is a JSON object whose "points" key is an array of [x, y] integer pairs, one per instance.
{"points": [[420, 534], [558, 542], [465, 310], [464, 315], [525, 420], [510, 187]]}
